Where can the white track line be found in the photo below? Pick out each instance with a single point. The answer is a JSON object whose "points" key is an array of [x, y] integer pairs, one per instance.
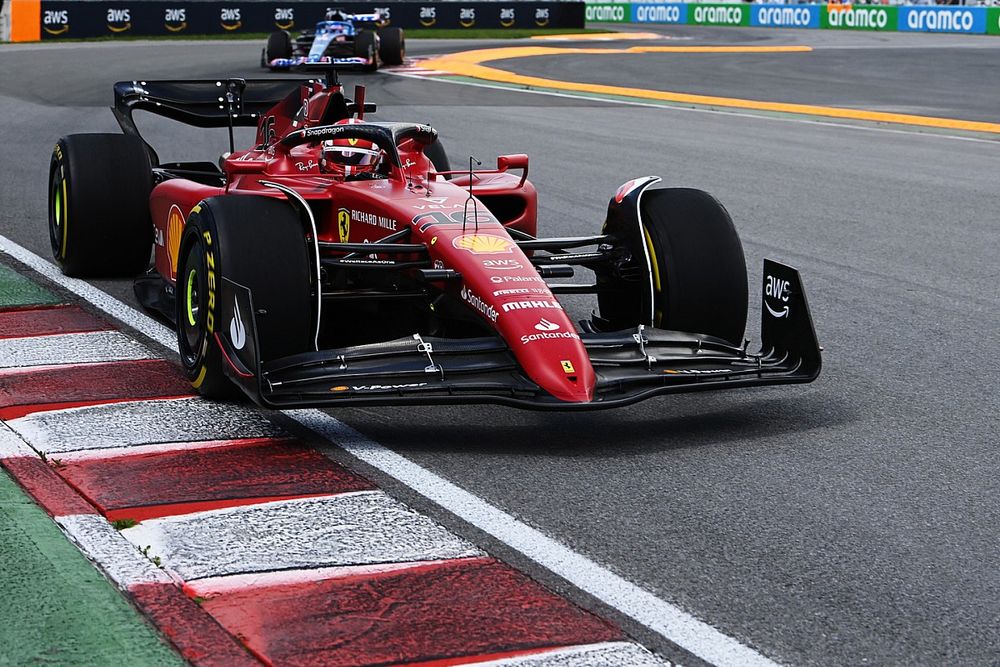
{"points": [[106, 547], [131, 423], [11, 444], [660, 616], [605, 654], [212, 586], [72, 348], [781, 117], [361, 528]]}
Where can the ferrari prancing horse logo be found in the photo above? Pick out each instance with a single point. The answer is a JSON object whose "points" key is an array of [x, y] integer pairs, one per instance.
{"points": [[344, 224]]}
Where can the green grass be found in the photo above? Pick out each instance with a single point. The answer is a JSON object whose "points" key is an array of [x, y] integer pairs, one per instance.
{"points": [[411, 33]]}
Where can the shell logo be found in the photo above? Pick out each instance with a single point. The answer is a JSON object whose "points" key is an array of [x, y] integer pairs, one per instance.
{"points": [[483, 244], [175, 227]]}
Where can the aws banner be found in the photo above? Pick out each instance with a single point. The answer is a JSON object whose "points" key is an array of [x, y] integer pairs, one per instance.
{"points": [[942, 19], [785, 16], [662, 12], [69, 19]]}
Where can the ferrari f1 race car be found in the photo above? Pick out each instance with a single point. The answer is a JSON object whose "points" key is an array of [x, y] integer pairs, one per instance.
{"points": [[339, 261], [342, 39]]}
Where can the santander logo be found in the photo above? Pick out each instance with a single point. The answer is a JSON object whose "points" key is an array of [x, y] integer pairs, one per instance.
{"points": [[545, 325]]}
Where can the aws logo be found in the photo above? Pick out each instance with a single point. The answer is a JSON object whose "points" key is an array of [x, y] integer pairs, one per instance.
{"points": [[384, 16], [55, 22], [542, 17], [119, 20], [507, 16], [229, 17], [467, 17], [175, 20], [428, 16], [284, 17]]}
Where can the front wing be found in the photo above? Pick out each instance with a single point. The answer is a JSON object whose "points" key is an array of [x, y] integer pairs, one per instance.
{"points": [[341, 63], [630, 365]]}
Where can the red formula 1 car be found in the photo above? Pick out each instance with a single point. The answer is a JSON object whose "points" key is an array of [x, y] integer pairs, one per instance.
{"points": [[338, 261]]}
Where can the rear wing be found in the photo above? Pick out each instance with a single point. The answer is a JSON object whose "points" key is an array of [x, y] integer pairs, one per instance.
{"points": [[221, 103]]}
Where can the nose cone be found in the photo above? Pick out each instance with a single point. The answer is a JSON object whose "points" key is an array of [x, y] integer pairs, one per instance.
{"points": [[551, 353], [566, 375]]}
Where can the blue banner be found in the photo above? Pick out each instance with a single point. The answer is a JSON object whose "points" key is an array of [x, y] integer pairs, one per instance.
{"points": [[661, 12], [785, 16], [942, 19]]}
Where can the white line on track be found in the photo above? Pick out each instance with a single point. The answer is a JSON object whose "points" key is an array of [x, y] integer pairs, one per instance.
{"points": [[605, 654], [678, 106], [660, 616]]}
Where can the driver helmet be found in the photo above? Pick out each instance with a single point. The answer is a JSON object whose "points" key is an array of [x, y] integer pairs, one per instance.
{"points": [[350, 157]]}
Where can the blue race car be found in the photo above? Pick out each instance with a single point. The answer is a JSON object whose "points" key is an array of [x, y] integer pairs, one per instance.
{"points": [[341, 39]]}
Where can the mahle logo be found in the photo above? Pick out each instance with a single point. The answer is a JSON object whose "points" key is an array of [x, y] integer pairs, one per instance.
{"points": [[860, 18], [718, 14], [55, 22]]}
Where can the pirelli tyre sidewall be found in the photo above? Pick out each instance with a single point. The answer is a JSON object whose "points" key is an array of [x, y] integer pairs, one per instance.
{"points": [[198, 305], [392, 46], [98, 205], [366, 45], [699, 270], [257, 243]]}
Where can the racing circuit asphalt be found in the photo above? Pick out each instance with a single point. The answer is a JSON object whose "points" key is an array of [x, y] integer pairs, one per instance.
{"points": [[850, 521]]}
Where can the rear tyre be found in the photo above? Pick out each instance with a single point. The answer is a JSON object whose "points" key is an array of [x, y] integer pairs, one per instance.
{"points": [[279, 45], [392, 46], [366, 46], [257, 242], [99, 222], [699, 271]]}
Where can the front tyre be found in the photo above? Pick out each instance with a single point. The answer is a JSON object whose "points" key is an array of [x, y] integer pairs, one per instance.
{"points": [[279, 45], [99, 222], [256, 242], [366, 46], [392, 46]]}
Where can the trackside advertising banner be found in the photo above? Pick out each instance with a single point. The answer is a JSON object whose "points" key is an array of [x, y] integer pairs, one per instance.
{"points": [[661, 12], [609, 12], [724, 14], [73, 19], [785, 16], [954, 19], [942, 19]]}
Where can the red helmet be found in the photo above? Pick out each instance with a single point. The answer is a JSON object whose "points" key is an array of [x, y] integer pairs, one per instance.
{"points": [[350, 157]]}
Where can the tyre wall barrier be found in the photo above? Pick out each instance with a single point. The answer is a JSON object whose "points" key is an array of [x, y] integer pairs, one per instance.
{"points": [[33, 20], [971, 20]]}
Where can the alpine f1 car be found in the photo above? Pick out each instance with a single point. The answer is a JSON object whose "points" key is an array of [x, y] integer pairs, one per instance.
{"points": [[342, 39], [339, 261]]}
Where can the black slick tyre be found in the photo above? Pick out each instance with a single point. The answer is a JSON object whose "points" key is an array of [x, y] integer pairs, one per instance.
{"points": [[257, 242], [366, 46], [99, 222], [392, 46], [701, 284], [279, 45]]}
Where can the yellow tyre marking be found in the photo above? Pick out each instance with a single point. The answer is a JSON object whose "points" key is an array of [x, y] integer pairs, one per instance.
{"points": [[65, 215], [654, 265], [468, 64], [201, 377]]}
